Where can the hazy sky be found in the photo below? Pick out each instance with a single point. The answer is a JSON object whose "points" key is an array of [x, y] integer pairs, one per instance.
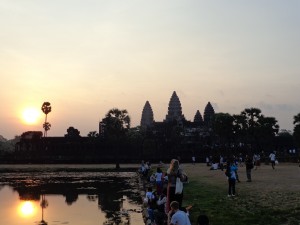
{"points": [[86, 57]]}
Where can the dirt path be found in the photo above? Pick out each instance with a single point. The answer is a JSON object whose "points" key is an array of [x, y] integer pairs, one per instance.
{"points": [[285, 177]]}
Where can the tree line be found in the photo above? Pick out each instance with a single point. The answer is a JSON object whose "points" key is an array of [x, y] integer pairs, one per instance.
{"points": [[250, 130]]}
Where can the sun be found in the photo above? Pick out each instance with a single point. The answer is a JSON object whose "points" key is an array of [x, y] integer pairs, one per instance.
{"points": [[31, 115], [26, 208]]}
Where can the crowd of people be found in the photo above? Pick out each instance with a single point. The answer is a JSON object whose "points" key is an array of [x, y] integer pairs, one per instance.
{"points": [[164, 204], [250, 163]]}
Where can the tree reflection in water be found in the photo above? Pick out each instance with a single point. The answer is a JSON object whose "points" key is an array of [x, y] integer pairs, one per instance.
{"points": [[44, 204], [107, 189]]}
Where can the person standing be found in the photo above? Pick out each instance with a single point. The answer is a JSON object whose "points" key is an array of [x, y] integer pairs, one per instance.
{"points": [[151, 203], [272, 157], [249, 167], [160, 215], [159, 180], [174, 172], [236, 163], [193, 160], [256, 160], [231, 174], [207, 161], [221, 163], [176, 216]]}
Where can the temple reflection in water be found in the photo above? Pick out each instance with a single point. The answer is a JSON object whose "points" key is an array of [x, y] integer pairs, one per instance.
{"points": [[75, 198]]}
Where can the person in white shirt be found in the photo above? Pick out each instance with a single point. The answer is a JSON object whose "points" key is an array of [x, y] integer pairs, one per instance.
{"points": [[256, 160], [159, 180], [176, 216], [151, 203], [272, 157], [160, 214], [193, 160]]}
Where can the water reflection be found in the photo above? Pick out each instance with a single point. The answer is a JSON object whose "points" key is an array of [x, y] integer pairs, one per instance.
{"points": [[44, 204], [26, 208], [115, 198]]}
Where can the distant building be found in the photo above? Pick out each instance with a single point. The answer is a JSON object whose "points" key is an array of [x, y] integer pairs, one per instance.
{"points": [[176, 116], [147, 120], [198, 118], [209, 113]]}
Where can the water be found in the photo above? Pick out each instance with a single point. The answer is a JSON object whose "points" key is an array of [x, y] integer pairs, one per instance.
{"points": [[33, 196]]}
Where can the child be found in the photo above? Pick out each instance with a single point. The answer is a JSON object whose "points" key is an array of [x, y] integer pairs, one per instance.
{"points": [[151, 203], [159, 180]]}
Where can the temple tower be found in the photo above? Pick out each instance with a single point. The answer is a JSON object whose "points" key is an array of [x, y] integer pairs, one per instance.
{"points": [[209, 113], [147, 116], [174, 109], [198, 118]]}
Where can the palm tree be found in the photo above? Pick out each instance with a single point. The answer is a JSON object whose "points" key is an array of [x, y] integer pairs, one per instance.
{"points": [[44, 204], [296, 133], [46, 127], [46, 108]]}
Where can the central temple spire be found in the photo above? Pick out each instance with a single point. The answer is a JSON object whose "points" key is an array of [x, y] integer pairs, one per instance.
{"points": [[174, 109]]}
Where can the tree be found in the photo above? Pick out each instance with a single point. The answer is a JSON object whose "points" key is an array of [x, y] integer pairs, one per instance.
{"points": [[135, 138], [8, 145], [266, 131], [254, 129], [46, 108], [285, 140], [296, 133], [223, 127], [117, 124], [252, 116], [93, 134], [72, 133], [46, 127], [239, 128]]}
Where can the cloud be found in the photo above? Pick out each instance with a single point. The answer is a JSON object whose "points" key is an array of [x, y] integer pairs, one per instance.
{"points": [[277, 107]]}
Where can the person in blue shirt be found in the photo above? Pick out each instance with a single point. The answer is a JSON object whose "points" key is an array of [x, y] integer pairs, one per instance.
{"points": [[231, 171]]}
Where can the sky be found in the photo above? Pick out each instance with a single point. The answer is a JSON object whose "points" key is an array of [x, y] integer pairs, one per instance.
{"points": [[87, 57]]}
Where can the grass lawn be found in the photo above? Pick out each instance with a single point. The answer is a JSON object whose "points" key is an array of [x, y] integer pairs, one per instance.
{"points": [[272, 198]]}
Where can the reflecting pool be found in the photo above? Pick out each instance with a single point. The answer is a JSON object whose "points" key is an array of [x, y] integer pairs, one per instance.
{"points": [[56, 196]]}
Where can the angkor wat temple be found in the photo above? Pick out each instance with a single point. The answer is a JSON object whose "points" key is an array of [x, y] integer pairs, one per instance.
{"points": [[175, 116], [175, 136]]}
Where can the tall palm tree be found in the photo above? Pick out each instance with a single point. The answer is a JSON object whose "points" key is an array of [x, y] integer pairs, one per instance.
{"points": [[44, 204], [46, 127], [46, 108]]}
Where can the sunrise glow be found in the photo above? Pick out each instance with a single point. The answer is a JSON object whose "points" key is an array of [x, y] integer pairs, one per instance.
{"points": [[31, 115], [26, 208], [86, 59]]}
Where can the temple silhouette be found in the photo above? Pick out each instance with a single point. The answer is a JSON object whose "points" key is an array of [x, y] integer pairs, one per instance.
{"points": [[175, 116], [175, 136]]}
